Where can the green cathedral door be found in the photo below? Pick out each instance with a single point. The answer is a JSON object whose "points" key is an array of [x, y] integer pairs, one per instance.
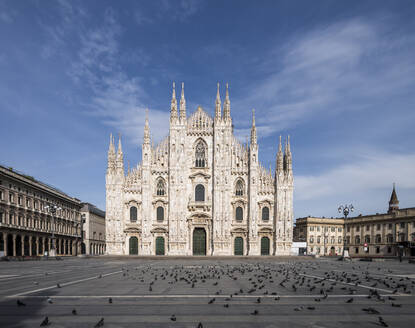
{"points": [[133, 246], [199, 241], [159, 246], [264, 246], [239, 246]]}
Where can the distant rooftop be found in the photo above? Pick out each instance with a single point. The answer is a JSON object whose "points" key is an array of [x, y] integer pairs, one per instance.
{"points": [[88, 207]]}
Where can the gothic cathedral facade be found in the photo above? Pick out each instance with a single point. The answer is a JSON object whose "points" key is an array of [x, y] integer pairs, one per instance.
{"points": [[199, 191]]}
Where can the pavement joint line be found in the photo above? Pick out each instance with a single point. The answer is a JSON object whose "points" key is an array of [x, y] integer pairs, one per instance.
{"points": [[348, 283], [199, 296], [30, 276], [65, 284]]}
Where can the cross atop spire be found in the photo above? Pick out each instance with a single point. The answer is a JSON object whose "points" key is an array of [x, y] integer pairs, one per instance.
{"points": [[182, 105], [173, 106], [218, 109]]}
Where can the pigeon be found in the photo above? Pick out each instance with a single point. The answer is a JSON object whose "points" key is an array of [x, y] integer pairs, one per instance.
{"points": [[226, 305], [58, 285], [391, 298], [100, 323], [110, 300], [255, 312], [199, 325], [74, 312], [45, 322], [371, 310], [396, 305], [36, 283], [258, 300], [212, 300], [20, 303], [382, 322], [50, 300], [173, 318], [311, 308], [350, 300]]}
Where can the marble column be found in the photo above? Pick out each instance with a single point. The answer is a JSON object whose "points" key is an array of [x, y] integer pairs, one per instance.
{"points": [[22, 242], [30, 245], [5, 243]]}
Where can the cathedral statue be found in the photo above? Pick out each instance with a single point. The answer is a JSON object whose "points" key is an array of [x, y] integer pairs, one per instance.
{"points": [[199, 191]]}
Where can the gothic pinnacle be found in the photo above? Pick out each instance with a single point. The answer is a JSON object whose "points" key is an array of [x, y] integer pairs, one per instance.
{"points": [[227, 105], [253, 129], [182, 105], [218, 109], [173, 106], [146, 138]]}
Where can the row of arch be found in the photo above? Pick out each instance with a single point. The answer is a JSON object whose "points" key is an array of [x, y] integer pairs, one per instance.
{"points": [[199, 244], [27, 245], [239, 212]]}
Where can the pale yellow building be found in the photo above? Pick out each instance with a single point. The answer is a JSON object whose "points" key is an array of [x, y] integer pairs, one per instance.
{"points": [[93, 230]]}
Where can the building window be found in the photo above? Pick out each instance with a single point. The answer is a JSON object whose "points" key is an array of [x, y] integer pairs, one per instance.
{"points": [[160, 213], [389, 249], [133, 214], [348, 229], [100, 236], [348, 240], [200, 154], [378, 238], [367, 227], [311, 228], [402, 225], [377, 250], [200, 193], [11, 198], [318, 228], [326, 229], [339, 229], [19, 200], [378, 227], [356, 250], [265, 213], [161, 190], [28, 202], [318, 240], [390, 226], [239, 214], [357, 228], [1, 217], [357, 240], [332, 240], [333, 229], [94, 235], [389, 238], [312, 239], [239, 188], [367, 239], [340, 240], [401, 237]]}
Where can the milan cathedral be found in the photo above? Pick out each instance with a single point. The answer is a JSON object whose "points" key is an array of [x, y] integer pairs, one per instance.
{"points": [[199, 191]]}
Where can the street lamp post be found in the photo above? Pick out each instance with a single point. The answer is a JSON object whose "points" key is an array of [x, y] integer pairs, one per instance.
{"points": [[52, 210], [345, 209]]}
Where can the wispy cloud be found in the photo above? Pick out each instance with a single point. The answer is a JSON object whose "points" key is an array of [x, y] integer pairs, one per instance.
{"points": [[341, 67], [118, 100]]}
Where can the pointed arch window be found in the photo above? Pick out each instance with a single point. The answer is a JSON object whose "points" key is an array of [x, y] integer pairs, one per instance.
{"points": [[160, 213], [239, 189], [133, 214], [161, 189], [200, 193], [200, 154], [239, 214], [265, 213]]}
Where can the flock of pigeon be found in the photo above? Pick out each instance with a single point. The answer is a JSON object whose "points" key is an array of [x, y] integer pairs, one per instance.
{"points": [[270, 280]]}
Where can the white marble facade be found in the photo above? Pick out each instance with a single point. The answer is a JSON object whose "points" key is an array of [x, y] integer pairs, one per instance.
{"points": [[199, 191]]}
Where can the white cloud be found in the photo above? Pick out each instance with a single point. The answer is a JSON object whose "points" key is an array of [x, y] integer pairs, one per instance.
{"points": [[364, 178], [345, 66]]}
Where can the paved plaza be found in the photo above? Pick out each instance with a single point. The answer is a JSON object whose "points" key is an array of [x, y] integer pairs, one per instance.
{"points": [[207, 292]]}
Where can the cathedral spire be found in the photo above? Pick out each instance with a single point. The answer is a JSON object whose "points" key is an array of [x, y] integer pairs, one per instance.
{"points": [[393, 202], [173, 106], [253, 129], [280, 159], [120, 157], [218, 109], [146, 139], [119, 150], [227, 106], [111, 152], [182, 105]]}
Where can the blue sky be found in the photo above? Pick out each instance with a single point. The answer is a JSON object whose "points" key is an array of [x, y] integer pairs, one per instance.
{"points": [[338, 76]]}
